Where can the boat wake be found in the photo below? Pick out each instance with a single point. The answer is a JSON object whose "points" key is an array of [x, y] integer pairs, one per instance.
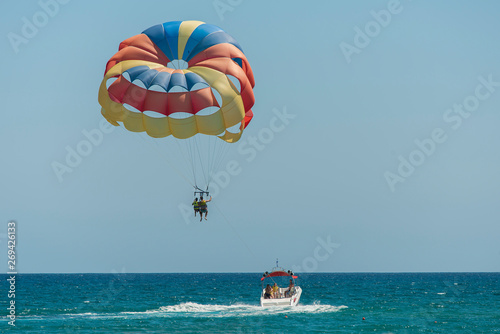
{"points": [[201, 310], [195, 310]]}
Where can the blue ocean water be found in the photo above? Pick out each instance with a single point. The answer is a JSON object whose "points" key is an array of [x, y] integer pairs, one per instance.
{"points": [[229, 303]]}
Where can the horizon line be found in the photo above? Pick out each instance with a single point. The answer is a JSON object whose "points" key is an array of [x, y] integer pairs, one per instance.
{"points": [[245, 272]]}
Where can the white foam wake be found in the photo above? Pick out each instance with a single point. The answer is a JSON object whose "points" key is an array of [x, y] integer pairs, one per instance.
{"points": [[207, 310], [197, 310]]}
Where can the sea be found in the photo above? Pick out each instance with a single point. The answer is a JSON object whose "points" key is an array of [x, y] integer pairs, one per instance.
{"points": [[229, 303]]}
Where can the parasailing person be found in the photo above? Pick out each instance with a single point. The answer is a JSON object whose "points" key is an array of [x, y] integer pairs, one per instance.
{"points": [[202, 204]]}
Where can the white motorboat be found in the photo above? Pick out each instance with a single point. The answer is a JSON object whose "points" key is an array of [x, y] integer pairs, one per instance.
{"points": [[288, 294]]}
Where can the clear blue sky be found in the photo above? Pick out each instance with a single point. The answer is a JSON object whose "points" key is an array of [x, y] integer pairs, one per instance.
{"points": [[322, 179]]}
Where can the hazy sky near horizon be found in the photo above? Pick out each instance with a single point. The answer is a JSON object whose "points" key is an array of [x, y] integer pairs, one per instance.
{"points": [[385, 158]]}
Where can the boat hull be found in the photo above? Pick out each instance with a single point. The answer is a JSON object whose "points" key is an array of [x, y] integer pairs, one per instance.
{"points": [[288, 301]]}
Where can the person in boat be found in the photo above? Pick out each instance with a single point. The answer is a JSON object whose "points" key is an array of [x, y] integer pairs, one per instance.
{"points": [[276, 290], [289, 291], [202, 204], [196, 207], [268, 292]]}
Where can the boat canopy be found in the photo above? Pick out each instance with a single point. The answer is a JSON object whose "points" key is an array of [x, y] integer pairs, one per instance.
{"points": [[278, 273]]}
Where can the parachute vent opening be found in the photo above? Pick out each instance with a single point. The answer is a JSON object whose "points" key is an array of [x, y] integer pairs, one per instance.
{"points": [[177, 89], [139, 83], [234, 128], [207, 111], [178, 64], [217, 96], [199, 85], [157, 88], [110, 81], [153, 114], [126, 75], [180, 115], [235, 82], [132, 109]]}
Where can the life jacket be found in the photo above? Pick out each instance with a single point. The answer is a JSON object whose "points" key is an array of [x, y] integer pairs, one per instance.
{"points": [[202, 204], [195, 204]]}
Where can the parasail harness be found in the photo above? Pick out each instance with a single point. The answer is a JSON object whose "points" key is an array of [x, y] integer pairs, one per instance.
{"points": [[200, 191]]}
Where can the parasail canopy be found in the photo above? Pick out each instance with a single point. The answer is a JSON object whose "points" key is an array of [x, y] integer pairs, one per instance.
{"points": [[185, 79], [167, 80]]}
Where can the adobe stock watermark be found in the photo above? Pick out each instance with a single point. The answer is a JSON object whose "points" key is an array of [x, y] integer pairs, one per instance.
{"points": [[224, 6], [12, 272], [247, 148], [31, 26], [74, 156], [363, 37], [454, 118], [321, 253]]}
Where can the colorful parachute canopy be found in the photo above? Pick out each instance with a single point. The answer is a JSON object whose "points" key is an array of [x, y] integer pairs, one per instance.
{"points": [[145, 61]]}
